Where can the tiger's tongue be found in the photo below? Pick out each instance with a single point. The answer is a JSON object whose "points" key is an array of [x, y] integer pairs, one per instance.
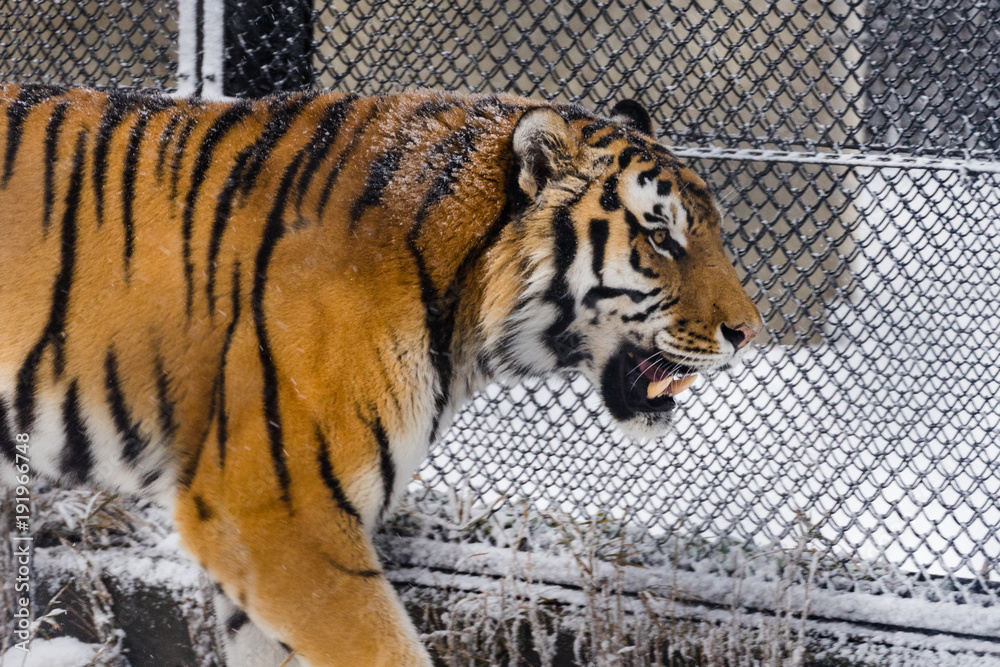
{"points": [[660, 382], [652, 372]]}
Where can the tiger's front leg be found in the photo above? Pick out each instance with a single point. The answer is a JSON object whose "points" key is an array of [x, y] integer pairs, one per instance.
{"points": [[303, 568]]}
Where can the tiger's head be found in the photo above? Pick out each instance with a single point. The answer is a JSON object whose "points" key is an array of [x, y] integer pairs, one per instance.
{"points": [[623, 269]]}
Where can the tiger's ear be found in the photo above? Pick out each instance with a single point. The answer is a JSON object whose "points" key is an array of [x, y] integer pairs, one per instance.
{"points": [[633, 115], [545, 148]]}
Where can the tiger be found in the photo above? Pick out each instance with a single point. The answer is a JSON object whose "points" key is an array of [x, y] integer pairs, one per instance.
{"points": [[263, 313]]}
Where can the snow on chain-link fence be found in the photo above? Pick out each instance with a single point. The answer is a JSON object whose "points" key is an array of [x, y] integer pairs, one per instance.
{"points": [[854, 146]]}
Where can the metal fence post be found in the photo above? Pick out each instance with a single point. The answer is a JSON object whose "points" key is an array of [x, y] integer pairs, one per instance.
{"points": [[199, 48], [244, 48], [268, 46]]}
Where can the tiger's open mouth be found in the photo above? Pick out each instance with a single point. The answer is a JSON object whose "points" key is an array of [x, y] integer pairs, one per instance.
{"points": [[633, 383]]}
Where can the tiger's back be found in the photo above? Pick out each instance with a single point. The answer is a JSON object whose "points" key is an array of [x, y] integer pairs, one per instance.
{"points": [[158, 221]]}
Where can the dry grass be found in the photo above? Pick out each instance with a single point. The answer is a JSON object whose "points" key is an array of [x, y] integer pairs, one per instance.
{"points": [[606, 624]]}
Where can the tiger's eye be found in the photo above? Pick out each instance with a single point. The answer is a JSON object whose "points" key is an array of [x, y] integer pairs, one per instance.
{"points": [[659, 237]]}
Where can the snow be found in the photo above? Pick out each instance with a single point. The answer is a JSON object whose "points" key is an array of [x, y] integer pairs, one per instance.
{"points": [[167, 570], [432, 563], [58, 652]]}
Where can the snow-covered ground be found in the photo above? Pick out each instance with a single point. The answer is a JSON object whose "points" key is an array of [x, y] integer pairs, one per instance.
{"points": [[58, 652]]}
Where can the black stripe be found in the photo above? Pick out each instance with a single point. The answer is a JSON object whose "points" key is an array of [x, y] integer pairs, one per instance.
{"points": [[128, 189], [595, 294], [24, 396], [345, 155], [457, 147], [629, 152], [273, 231], [226, 121], [591, 129], [178, 158], [77, 460], [634, 228], [205, 513], [610, 201], [190, 469], [598, 242], [165, 138], [649, 175], [275, 128], [223, 209], [222, 422], [55, 328], [323, 139], [133, 442], [243, 176], [387, 465], [440, 316], [606, 140], [434, 107], [670, 303], [164, 402], [636, 261], [236, 621], [379, 176], [28, 97], [364, 574], [564, 233], [643, 316], [119, 104], [8, 447], [330, 478], [565, 345], [60, 295], [150, 478], [439, 312], [51, 157]]}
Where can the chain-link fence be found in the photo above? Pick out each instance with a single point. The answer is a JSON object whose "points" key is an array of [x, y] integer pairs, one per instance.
{"points": [[855, 147]]}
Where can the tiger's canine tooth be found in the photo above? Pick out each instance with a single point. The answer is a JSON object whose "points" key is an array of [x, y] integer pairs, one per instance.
{"points": [[656, 389], [681, 384]]}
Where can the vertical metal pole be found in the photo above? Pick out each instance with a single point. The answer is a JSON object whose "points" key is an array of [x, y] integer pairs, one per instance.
{"points": [[200, 48], [269, 46]]}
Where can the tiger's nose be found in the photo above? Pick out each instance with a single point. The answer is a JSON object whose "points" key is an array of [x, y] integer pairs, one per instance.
{"points": [[739, 335]]}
